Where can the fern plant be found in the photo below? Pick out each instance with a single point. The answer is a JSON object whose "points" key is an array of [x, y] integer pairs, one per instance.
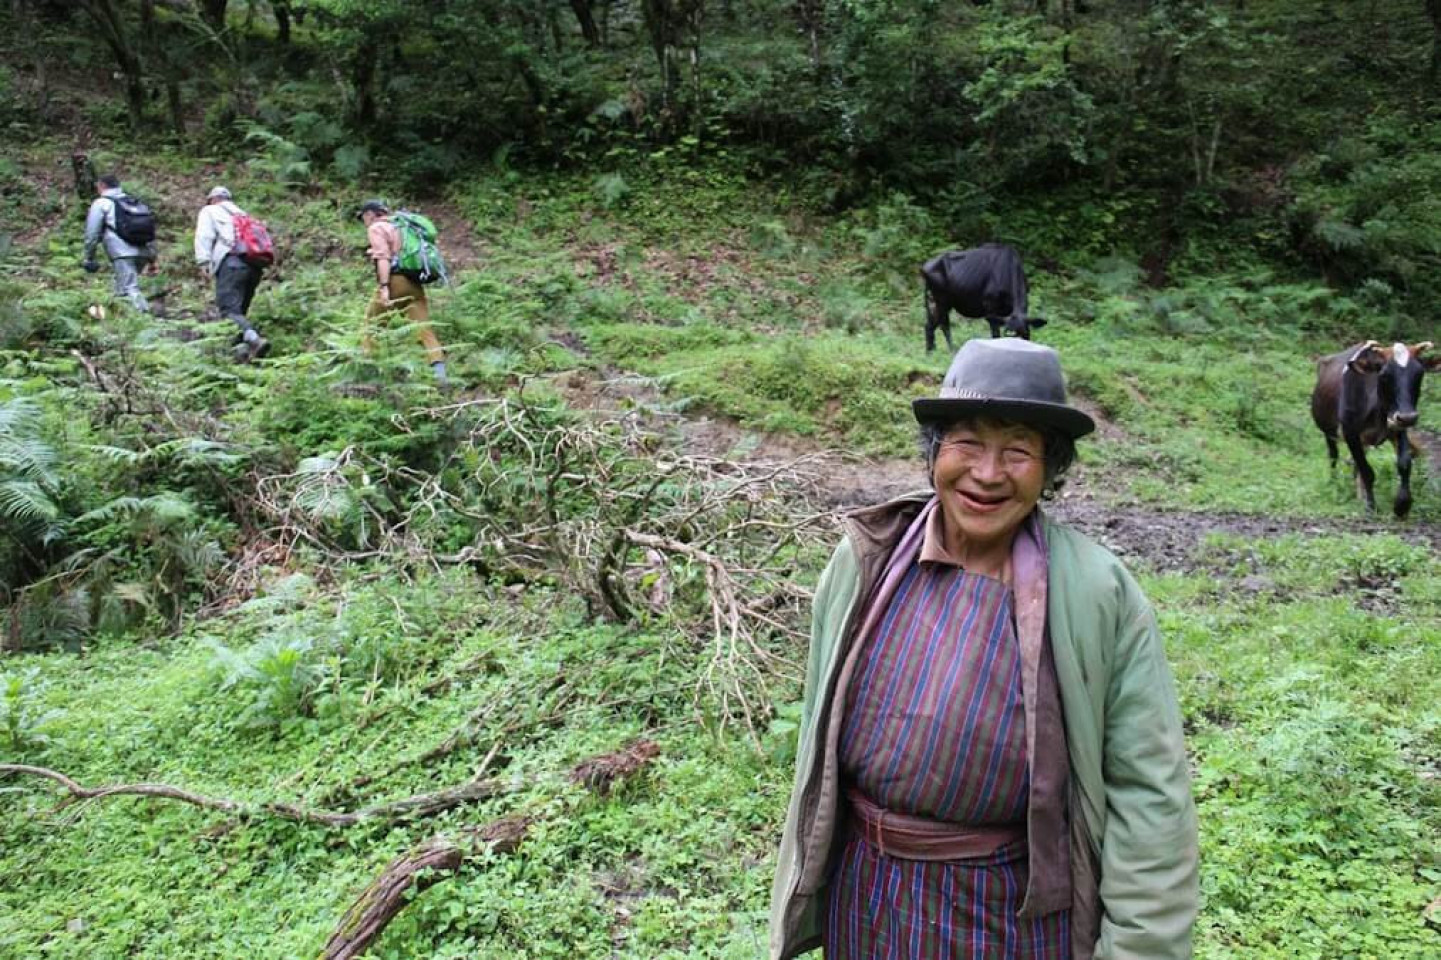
{"points": [[30, 515], [28, 478], [276, 675], [162, 537], [21, 715]]}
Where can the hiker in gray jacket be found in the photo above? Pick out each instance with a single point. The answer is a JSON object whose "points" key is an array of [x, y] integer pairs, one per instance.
{"points": [[127, 259], [235, 277]]}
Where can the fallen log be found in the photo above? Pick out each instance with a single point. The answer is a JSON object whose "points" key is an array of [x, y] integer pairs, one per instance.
{"points": [[439, 857], [405, 877]]}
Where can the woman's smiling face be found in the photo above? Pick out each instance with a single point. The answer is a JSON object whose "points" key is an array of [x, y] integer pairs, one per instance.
{"points": [[988, 475]]}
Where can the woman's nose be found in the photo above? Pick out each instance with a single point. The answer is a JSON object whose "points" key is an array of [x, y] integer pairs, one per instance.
{"points": [[988, 467]]}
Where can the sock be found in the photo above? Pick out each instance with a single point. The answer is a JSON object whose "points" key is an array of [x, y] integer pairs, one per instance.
{"points": [[251, 336], [439, 368]]}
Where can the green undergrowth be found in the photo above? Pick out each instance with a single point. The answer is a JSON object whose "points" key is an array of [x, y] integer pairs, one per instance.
{"points": [[159, 647], [1313, 727], [1312, 724], [799, 323], [387, 669]]}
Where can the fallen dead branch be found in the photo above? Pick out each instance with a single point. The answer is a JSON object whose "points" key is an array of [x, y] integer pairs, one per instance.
{"points": [[414, 807], [611, 511], [441, 856], [463, 735], [599, 774]]}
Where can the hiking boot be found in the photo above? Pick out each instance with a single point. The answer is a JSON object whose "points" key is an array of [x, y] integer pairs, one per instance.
{"points": [[259, 348]]}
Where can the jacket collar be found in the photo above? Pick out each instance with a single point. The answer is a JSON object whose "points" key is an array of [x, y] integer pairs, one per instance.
{"points": [[877, 529]]}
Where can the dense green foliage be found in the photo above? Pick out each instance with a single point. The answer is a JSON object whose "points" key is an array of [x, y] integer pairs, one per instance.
{"points": [[684, 238], [1170, 131], [1312, 721]]}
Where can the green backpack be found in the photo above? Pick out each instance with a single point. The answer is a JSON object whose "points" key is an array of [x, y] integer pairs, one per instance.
{"points": [[419, 257]]}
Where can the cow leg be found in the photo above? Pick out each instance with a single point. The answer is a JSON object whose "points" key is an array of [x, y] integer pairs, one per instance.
{"points": [[938, 315], [1332, 450], [932, 321], [1365, 476], [995, 323], [1402, 506]]}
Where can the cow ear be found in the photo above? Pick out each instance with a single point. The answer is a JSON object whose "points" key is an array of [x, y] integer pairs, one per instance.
{"points": [[1035, 323], [1371, 358]]}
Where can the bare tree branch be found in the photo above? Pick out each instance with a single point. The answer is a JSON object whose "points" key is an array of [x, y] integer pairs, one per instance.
{"points": [[414, 807], [437, 858]]}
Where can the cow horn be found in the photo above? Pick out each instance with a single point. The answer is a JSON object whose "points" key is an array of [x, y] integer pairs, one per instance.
{"points": [[1368, 345], [1422, 347]]}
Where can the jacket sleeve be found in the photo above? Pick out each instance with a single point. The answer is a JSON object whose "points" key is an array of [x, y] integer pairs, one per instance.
{"points": [[204, 236], [94, 227], [1149, 887], [825, 624]]}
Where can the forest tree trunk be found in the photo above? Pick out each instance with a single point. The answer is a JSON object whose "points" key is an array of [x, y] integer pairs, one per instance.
{"points": [[281, 9], [362, 77], [109, 20], [585, 16], [213, 11], [1433, 9], [158, 54]]}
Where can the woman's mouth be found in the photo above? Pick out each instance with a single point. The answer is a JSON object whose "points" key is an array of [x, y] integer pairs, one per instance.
{"points": [[983, 502]]}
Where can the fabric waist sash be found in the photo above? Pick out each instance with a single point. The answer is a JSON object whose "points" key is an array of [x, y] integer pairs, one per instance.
{"points": [[918, 838]]}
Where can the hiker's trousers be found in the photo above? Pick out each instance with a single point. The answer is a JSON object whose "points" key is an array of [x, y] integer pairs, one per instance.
{"points": [[235, 283], [406, 297], [127, 281]]}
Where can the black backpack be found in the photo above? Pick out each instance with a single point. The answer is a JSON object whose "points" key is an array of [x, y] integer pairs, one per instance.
{"points": [[134, 220]]}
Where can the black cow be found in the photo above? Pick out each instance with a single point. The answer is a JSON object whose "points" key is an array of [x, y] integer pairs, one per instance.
{"points": [[985, 282], [1368, 393]]}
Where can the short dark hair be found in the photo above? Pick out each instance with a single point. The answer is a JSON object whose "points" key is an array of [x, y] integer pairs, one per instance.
{"points": [[1059, 450], [109, 181]]}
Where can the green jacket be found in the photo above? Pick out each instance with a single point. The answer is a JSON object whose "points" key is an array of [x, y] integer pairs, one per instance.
{"points": [[1134, 858]]}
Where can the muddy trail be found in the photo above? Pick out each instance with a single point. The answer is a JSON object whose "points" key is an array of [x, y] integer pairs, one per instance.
{"points": [[1159, 539]]}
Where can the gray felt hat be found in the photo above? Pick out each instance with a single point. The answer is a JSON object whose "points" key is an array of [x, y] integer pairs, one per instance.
{"points": [[218, 193], [1008, 379]]}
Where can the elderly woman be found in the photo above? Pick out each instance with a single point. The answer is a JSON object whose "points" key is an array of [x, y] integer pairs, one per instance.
{"points": [[991, 762]]}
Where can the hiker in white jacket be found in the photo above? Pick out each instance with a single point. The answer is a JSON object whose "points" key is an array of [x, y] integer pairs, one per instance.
{"points": [[235, 278]]}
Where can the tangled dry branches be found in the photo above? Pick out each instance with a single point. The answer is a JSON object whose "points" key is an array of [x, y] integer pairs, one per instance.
{"points": [[639, 530]]}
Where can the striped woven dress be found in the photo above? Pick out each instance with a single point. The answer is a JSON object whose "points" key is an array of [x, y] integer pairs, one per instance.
{"points": [[935, 727]]}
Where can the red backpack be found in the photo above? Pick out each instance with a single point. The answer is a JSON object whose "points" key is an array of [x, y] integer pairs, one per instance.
{"points": [[252, 239]]}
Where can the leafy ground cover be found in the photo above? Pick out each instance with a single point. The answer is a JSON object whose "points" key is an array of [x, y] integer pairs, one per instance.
{"points": [[277, 600]]}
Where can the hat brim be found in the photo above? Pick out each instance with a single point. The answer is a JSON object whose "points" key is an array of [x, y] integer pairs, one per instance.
{"points": [[1034, 413]]}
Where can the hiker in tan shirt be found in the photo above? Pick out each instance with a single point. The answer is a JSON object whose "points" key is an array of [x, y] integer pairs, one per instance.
{"points": [[395, 292]]}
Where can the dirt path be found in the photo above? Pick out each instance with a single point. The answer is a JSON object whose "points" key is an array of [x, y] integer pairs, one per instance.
{"points": [[1160, 539]]}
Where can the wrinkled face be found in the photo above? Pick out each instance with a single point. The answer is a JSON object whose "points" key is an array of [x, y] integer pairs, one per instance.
{"points": [[988, 476], [368, 217]]}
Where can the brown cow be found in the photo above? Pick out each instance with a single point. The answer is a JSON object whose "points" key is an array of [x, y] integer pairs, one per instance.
{"points": [[1369, 393]]}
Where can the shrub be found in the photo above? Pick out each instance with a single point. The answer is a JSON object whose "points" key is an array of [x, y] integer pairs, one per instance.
{"points": [[275, 678], [21, 715]]}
